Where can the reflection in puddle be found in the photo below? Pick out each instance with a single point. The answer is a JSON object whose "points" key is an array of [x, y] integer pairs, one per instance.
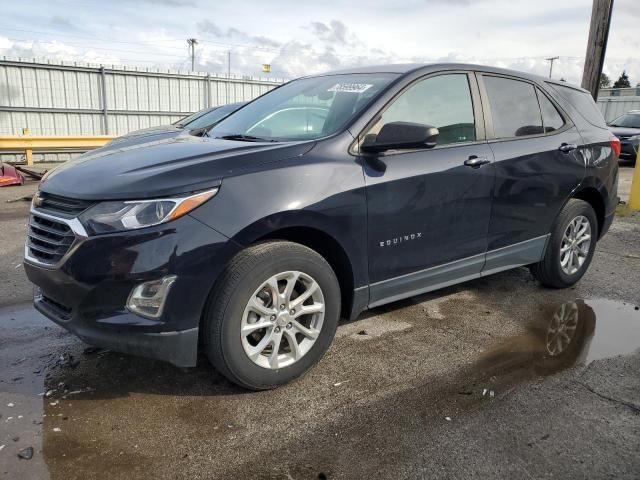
{"points": [[568, 335]]}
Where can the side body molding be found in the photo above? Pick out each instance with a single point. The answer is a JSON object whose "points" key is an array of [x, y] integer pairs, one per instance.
{"points": [[476, 266]]}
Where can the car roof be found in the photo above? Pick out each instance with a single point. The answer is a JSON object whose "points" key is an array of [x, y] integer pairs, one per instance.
{"points": [[407, 68]]}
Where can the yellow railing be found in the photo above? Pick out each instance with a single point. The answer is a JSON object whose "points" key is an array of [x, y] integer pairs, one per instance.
{"points": [[634, 195], [30, 143]]}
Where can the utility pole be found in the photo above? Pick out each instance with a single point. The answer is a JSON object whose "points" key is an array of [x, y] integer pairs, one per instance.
{"points": [[551, 66], [597, 45], [192, 43]]}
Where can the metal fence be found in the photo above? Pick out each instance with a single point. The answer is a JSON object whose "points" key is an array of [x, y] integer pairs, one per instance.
{"points": [[59, 98], [614, 106]]}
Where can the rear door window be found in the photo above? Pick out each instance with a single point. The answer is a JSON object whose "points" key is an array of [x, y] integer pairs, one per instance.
{"points": [[514, 107], [551, 118]]}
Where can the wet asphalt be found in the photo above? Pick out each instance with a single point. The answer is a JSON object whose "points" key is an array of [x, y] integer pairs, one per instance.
{"points": [[495, 378]]}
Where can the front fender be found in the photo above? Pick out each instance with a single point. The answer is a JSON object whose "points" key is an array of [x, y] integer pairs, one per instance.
{"points": [[325, 195]]}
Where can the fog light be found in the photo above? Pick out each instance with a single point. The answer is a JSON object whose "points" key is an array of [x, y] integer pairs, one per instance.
{"points": [[147, 299]]}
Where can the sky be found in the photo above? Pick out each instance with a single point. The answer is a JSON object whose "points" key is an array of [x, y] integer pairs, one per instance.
{"points": [[298, 37]]}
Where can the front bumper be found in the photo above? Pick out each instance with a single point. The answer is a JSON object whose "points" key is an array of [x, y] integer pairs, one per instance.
{"points": [[86, 293]]}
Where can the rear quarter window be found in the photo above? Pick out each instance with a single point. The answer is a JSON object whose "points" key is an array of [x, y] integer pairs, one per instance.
{"points": [[583, 102]]}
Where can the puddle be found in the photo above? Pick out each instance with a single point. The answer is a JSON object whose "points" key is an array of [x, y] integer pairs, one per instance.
{"points": [[573, 333], [107, 406]]}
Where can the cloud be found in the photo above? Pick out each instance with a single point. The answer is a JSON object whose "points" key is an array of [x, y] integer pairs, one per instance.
{"points": [[233, 35], [61, 22], [172, 3], [335, 32], [53, 50], [301, 38]]}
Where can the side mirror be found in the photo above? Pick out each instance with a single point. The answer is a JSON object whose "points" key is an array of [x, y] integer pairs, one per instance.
{"points": [[401, 136]]}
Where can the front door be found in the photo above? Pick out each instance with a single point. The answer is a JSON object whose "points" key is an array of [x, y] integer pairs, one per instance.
{"points": [[429, 209]]}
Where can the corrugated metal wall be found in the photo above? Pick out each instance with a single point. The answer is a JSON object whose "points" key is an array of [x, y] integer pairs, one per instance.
{"points": [[612, 107], [80, 99]]}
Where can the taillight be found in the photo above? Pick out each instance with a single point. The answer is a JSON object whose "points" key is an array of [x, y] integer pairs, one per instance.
{"points": [[615, 145]]}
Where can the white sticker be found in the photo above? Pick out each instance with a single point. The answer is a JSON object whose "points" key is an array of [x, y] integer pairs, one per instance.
{"points": [[350, 87]]}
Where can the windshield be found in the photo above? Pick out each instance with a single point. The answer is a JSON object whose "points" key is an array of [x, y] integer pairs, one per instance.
{"points": [[304, 109], [628, 120], [212, 117], [190, 118]]}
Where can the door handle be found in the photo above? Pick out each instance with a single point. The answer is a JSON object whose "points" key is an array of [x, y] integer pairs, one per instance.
{"points": [[567, 147], [476, 162]]}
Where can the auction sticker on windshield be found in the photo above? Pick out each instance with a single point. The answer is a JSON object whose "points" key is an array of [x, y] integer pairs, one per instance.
{"points": [[350, 87]]}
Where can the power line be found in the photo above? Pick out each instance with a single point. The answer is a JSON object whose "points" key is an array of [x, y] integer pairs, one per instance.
{"points": [[98, 39], [227, 45], [91, 47]]}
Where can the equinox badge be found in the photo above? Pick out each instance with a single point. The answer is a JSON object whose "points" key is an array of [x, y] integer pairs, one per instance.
{"points": [[401, 239]]}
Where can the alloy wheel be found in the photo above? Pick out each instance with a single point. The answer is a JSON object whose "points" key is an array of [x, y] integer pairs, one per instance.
{"points": [[574, 248], [282, 319]]}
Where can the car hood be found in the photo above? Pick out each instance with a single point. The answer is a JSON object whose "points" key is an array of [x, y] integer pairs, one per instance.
{"points": [[624, 131], [143, 136], [152, 131], [164, 167]]}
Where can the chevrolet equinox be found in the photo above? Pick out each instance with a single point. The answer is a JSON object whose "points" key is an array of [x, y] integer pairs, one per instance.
{"points": [[326, 196]]}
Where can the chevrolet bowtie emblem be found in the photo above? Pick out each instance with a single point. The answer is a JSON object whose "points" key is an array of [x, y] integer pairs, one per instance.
{"points": [[37, 200]]}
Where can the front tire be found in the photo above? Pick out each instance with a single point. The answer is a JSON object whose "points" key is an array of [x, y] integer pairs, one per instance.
{"points": [[570, 248], [272, 314]]}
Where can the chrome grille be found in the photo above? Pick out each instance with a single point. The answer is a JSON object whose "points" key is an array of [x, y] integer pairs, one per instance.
{"points": [[48, 240], [62, 205]]}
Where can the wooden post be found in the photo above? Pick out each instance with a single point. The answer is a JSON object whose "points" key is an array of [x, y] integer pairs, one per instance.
{"points": [[634, 195], [28, 153], [597, 45]]}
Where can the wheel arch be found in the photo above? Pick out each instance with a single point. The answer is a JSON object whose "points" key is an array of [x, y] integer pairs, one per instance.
{"points": [[593, 197], [330, 249]]}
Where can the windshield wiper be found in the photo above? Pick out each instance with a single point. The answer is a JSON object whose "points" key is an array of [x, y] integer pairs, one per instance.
{"points": [[245, 138]]}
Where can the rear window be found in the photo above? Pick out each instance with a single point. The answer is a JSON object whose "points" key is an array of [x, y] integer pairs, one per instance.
{"points": [[583, 102]]}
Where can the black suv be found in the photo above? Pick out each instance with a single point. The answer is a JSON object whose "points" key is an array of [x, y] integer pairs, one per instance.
{"points": [[324, 197]]}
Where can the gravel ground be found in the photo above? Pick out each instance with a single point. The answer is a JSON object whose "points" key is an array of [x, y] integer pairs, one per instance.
{"points": [[453, 384]]}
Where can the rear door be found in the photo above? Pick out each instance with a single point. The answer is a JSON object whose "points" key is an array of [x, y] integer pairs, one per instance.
{"points": [[538, 164], [428, 211]]}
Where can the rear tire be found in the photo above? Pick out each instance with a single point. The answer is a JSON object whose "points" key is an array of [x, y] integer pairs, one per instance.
{"points": [[570, 247], [266, 284]]}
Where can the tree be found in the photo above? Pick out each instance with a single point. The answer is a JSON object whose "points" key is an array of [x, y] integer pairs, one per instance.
{"points": [[623, 81], [605, 81]]}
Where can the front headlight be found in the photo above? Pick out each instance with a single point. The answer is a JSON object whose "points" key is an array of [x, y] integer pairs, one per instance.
{"points": [[116, 216]]}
